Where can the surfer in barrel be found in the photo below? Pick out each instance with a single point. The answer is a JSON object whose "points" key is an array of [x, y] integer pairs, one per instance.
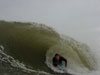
{"points": [[58, 62]]}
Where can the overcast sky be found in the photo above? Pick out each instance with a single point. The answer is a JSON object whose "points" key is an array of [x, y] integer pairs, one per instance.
{"points": [[79, 19]]}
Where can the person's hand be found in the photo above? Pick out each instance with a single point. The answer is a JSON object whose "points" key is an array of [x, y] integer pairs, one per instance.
{"points": [[58, 66]]}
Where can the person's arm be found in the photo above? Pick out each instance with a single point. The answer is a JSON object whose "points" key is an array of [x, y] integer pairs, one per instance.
{"points": [[64, 60], [54, 62]]}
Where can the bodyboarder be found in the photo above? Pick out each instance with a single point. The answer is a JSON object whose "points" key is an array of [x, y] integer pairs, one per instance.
{"points": [[58, 62]]}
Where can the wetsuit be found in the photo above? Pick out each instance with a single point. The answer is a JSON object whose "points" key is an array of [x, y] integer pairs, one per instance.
{"points": [[59, 62]]}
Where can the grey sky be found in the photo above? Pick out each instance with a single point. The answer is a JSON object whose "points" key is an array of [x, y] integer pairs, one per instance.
{"points": [[77, 18]]}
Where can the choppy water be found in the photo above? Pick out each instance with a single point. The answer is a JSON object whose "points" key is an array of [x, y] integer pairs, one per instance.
{"points": [[28, 48]]}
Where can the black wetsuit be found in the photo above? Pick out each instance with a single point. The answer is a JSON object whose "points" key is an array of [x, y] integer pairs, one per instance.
{"points": [[59, 62]]}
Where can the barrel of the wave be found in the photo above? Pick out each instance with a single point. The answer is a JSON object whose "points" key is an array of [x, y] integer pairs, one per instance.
{"points": [[78, 55], [28, 42]]}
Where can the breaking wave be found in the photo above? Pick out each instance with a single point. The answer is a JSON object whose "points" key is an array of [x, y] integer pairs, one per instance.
{"points": [[31, 46]]}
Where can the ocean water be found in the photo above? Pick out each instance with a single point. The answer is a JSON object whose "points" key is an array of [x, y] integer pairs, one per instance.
{"points": [[28, 49]]}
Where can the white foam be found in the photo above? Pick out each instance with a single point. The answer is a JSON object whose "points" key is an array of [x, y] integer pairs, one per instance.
{"points": [[15, 63]]}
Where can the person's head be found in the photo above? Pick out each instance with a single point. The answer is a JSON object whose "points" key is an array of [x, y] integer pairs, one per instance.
{"points": [[57, 56]]}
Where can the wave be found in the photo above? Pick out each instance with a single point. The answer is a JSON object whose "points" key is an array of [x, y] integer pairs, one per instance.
{"points": [[36, 44]]}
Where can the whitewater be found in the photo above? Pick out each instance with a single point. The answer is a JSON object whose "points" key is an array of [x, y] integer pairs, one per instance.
{"points": [[28, 49]]}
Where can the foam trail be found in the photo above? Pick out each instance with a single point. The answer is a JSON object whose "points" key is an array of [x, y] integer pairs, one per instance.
{"points": [[7, 59]]}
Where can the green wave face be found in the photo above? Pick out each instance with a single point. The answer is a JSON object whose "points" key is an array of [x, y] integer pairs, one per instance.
{"points": [[33, 44]]}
